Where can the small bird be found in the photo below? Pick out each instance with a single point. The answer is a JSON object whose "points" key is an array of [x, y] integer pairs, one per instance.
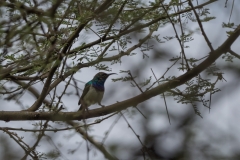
{"points": [[93, 91]]}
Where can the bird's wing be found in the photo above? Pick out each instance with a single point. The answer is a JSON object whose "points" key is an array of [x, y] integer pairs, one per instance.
{"points": [[85, 90]]}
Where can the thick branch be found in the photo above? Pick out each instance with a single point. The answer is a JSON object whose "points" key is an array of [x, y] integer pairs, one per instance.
{"points": [[63, 116]]}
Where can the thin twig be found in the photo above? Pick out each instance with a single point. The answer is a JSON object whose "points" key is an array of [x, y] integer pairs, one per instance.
{"points": [[140, 90], [157, 81], [138, 137], [20, 142], [110, 128], [234, 54], [129, 72], [180, 42], [201, 26], [231, 12], [93, 142], [163, 98]]}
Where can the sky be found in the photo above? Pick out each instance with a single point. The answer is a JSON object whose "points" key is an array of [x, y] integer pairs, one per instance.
{"points": [[221, 121]]}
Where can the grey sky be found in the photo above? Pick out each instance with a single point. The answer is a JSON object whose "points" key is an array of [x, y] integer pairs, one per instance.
{"points": [[222, 120]]}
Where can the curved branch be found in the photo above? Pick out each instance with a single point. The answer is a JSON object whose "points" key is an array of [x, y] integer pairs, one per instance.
{"points": [[64, 116]]}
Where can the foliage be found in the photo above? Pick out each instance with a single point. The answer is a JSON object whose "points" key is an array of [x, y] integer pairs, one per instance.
{"points": [[46, 44]]}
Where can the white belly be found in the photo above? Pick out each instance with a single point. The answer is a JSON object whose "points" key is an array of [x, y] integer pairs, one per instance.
{"points": [[93, 96]]}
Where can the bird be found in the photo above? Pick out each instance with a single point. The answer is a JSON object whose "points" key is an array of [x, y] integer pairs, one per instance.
{"points": [[93, 91]]}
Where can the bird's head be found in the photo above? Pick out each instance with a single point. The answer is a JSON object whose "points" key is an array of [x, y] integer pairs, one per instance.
{"points": [[101, 76]]}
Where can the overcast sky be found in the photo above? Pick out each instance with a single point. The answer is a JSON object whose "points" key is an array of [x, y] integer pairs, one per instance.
{"points": [[223, 118]]}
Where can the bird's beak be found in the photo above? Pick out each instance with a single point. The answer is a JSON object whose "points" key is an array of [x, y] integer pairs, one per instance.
{"points": [[111, 74]]}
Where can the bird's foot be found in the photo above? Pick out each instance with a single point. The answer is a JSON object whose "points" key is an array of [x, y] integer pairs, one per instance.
{"points": [[101, 105]]}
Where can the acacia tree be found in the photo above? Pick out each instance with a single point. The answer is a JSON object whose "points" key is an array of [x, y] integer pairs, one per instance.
{"points": [[45, 46]]}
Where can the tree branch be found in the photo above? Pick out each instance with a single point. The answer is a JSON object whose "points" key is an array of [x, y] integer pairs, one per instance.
{"points": [[138, 27], [63, 116]]}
